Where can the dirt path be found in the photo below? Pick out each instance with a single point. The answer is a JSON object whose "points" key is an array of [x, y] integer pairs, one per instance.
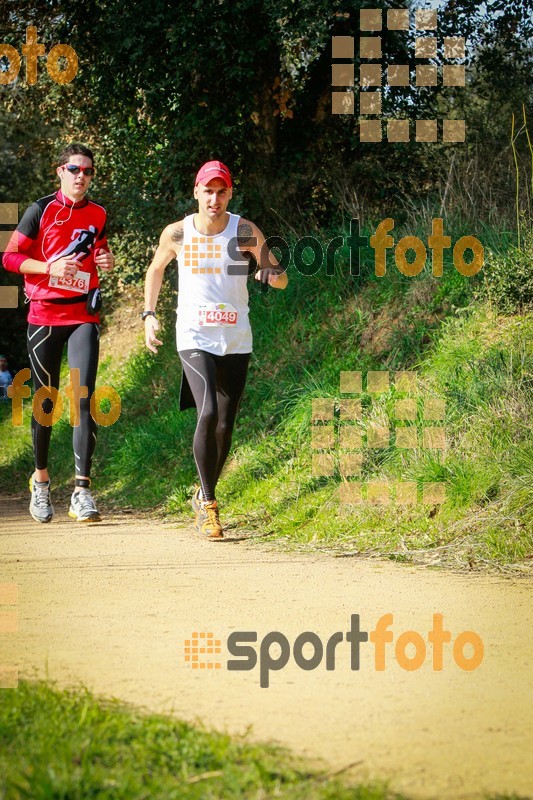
{"points": [[111, 605]]}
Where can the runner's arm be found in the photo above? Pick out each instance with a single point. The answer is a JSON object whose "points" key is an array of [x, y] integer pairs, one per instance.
{"points": [[63, 267], [269, 271], [169, 247], [103, 257], [17, 257]]}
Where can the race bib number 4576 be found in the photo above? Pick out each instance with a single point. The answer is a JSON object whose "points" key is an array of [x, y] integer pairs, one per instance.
{"points": [[217, 314], [77, 283]]}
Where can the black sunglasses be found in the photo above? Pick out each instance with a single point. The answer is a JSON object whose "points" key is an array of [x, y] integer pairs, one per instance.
{"points": [[75, 170]]}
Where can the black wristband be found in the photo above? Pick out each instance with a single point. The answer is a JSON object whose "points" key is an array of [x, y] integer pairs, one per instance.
{"points": [[147, 314]]}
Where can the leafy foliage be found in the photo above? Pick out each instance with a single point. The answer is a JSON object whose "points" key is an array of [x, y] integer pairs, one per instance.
{"points": [[508, 278]]}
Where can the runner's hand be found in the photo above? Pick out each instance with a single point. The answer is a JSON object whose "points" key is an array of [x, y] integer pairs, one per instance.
{"points": [[65, 267], [267, 276], [151, 325], [104, 259]]}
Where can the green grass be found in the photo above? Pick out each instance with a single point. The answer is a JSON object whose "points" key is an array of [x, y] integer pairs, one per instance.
{"points": [[66, 745], [465, 353], [69, 745]]}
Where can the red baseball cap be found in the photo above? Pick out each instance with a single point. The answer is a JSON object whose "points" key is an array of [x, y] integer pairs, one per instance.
{"points": [[211, 170]]}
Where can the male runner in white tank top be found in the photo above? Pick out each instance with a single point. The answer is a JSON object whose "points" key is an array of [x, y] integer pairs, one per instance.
{"points": [[214, 337]]}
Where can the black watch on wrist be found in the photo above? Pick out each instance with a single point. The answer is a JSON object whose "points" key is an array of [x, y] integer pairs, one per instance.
{"points": [[147, 314]]}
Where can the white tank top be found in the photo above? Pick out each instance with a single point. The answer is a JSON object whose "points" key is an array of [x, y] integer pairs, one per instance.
{"points": [[212, 304]]}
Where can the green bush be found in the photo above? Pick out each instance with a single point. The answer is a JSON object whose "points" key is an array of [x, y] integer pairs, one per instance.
{"points": [[509, 277]]}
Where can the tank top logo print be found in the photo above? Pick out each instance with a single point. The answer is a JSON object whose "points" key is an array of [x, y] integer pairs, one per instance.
{"points": [[201, 249]]}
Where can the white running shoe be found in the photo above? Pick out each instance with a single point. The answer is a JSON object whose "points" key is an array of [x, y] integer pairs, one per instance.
{"points": [[41, 507], [82, 507]]}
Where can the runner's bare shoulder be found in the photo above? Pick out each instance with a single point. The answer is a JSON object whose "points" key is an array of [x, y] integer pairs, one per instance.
{"points": [[172, 237], [246, 236], [175, 230]]}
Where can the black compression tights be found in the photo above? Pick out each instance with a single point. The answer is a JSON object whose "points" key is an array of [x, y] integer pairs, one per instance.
{"points": [[217, 384], [45, 348]]}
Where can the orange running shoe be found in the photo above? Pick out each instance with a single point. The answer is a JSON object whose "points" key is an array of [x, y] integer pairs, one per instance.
{"points": [[208, 522], [196, 501]]}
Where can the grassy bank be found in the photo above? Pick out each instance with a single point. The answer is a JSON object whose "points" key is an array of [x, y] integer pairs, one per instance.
{"points": [[64, 744], [68, 745], [449, 330]]}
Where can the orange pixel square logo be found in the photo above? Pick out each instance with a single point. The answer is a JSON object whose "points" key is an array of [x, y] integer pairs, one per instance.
{"points": [[348, 437], [202, 249], [375, 78], [200, 645]]}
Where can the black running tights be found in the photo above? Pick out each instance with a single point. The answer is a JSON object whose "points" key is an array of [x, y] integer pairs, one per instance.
{"points": [[45, 348], [217, 384]]}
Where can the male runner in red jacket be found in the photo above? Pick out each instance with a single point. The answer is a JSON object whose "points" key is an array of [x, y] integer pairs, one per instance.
{"points": [[58, 246]]}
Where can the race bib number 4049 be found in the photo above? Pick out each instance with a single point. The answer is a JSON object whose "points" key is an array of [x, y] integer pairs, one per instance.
{"points": [[77, 283], [217, 314]]}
